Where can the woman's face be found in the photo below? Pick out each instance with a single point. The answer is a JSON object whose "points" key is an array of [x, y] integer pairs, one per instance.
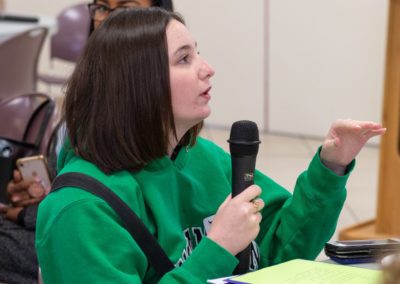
{"points": [[107, 5], [190, 78]]}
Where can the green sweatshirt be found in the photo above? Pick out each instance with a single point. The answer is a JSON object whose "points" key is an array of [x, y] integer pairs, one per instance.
{"points": [[80, 239]]}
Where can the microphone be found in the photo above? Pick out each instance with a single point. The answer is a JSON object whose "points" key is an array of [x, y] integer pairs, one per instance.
{"points": [[243, 145]]}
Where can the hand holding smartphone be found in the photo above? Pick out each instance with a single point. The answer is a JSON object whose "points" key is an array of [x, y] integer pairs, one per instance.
{"points": [[35, 169]]}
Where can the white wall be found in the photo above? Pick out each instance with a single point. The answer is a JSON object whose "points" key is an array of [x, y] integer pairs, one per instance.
{"points": [[44, 7], [327, 61]]}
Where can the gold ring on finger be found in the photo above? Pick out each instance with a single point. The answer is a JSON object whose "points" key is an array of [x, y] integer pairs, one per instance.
{"points": [[256, 204]]}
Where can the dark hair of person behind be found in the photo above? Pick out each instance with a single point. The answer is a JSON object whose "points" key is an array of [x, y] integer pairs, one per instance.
{"points": [[118, 101], [165, 4]]}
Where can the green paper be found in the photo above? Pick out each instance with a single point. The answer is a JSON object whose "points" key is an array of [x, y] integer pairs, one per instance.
{"points": [[309, 272]]}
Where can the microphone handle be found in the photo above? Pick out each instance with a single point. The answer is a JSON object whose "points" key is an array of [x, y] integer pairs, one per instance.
{"points": [[242, 177], [242, 173]]}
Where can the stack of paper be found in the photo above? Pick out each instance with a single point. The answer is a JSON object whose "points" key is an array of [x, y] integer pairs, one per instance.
{"points": [[309, 272]]}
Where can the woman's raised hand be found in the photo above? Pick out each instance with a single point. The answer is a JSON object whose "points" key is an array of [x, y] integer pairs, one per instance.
{"points": [[344, 141]]}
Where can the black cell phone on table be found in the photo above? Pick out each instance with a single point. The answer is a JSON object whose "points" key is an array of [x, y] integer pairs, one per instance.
{"points": [[361, 251]]}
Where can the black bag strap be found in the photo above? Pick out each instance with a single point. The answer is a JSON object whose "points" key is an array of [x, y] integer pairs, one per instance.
{"points": [[149, 245]]}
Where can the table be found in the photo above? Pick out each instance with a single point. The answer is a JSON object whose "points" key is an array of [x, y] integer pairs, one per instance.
{"points": [[8, 28]]}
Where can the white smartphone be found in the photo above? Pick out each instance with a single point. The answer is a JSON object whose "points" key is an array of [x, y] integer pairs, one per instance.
{"points": [[35, 169]]}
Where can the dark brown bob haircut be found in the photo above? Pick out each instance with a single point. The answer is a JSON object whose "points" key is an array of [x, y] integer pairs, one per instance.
{"points": [[118, 106]]}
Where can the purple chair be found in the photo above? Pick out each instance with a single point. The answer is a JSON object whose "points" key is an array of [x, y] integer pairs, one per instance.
{"points": [[69, 41], [18, 62], [21, 118]]}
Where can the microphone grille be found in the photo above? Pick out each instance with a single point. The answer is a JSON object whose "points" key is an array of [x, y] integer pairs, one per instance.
{"points": [[244, 132]]}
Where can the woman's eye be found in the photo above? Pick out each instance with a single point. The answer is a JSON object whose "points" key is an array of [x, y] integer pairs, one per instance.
{"points": [[184, 59], [102, 9]]}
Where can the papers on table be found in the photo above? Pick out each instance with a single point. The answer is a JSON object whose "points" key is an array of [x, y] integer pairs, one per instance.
{"points": [[308, 272]]}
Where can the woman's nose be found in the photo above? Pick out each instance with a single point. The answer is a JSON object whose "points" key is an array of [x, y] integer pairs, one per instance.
{"points": [[207, 70]]}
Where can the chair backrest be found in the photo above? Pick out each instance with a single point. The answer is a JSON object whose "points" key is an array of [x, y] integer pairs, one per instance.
{"points": [[22, 118], [18, 62], [73, 31]]}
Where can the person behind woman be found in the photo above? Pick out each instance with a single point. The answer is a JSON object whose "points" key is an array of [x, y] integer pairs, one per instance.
{"points": [[100, 9], [18, 263], [134, 107]]}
